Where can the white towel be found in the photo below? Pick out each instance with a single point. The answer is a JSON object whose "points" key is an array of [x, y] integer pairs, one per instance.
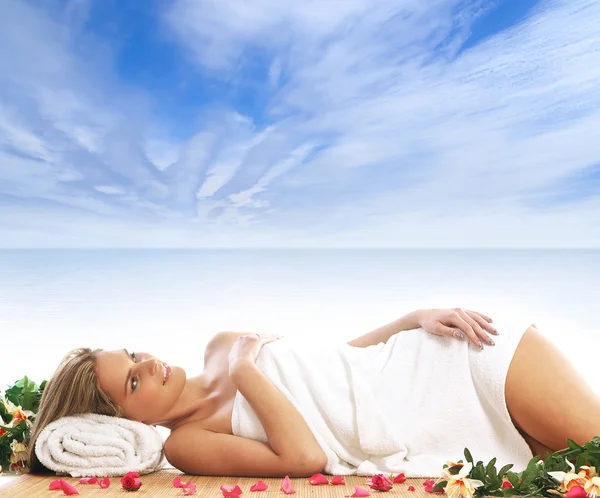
{"points": [[404, 406], [90, 445]]}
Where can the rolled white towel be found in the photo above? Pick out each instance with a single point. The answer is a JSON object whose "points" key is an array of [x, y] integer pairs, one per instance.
{"points": [[98, 445]]}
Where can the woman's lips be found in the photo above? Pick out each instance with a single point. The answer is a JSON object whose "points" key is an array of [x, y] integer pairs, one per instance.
{"points": [[167, 373]]}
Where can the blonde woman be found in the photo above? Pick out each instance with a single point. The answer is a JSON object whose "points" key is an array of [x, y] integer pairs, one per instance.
{"points": [[546, 398]]}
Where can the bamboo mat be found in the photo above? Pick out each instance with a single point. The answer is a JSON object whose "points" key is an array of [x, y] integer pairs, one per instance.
{"points": [[161, 484]]}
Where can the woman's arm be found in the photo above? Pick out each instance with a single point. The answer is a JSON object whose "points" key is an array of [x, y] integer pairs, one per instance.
{"points": [[382, 334], [289, 435], [455, 322]]}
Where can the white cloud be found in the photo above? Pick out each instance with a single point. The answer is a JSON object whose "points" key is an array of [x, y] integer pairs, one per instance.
{"points": [[110, 189], [375, 132]]}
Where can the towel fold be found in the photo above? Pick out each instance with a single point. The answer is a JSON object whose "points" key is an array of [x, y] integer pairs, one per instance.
{"points": [[404, 406], [90, 445]]}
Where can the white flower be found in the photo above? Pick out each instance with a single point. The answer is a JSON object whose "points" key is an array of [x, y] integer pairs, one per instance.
{"points": [[459, 485]]}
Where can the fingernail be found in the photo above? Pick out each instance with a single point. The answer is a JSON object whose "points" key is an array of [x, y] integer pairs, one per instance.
{"points": [[496, 331], [492, 342], [480, 345], [458, 335]]}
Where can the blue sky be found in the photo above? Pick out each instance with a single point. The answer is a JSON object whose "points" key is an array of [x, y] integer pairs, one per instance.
{"points": [[204, 123]]}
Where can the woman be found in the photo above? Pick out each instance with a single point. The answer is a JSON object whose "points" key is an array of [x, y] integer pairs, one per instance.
{"points": [[547, 399]]}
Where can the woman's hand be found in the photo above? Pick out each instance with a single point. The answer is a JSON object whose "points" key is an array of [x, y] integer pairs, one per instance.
{"points": [[457, 322], [246, 348]]}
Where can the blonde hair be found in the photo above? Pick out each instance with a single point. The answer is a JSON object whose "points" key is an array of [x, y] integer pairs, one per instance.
{"points": [[72, 389]]}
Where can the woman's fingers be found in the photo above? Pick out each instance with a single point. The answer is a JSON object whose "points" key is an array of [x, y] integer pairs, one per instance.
{"points": [[471, 328], [460, 323], [481, 334], [483, 321], [485, 317]]}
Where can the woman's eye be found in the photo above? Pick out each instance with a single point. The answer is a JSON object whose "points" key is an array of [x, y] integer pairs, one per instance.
{"points": [[133, 384], [133, 356]]}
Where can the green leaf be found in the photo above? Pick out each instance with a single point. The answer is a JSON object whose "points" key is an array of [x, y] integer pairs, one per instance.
{"points": [[505, 469], [440, 485], [490, 466], [513, 479], [506, 492], [573, 445], [468, 456]]}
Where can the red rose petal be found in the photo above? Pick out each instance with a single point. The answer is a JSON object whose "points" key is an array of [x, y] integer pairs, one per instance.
{"points": [[359, 492], [259, 486], [286, 487], [411, 488], [400, 478], [189, 489], [338, 480], [104, 483], [506, 484], [88, 480], [231, 491], [318, 479]]}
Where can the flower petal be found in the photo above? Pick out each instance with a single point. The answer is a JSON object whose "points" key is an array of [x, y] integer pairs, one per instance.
{"points": [[68, 488], [177, 483], [338, 480], [558, 475], [359, 492], [88, 480], [286, 487], [55, 485], [576, 492], [400, 478], [464, 471], [231, 491], [190, 489], [475, 483], [259, 486], [318, 479], [411, 488], [104, 483]]}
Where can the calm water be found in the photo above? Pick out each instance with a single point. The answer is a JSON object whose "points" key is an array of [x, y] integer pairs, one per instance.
{"points": [[171, 302]]}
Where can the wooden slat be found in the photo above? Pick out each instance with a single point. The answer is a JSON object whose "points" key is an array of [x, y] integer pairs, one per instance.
{"points": [[161, 484]]}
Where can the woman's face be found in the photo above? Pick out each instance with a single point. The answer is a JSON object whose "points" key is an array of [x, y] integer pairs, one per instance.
{"points": [[136, 382]]}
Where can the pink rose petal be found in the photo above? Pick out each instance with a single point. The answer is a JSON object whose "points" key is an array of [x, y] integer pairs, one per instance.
{"points": [[286, 487], [318, 479], [576, 492], [88, 480], [400, 478], [411, 488], [259, 486], [104, 483], [231, 491], [338, 480], [55, 485], [359, 492], [189, 489], [67, 488], [177, 483]]}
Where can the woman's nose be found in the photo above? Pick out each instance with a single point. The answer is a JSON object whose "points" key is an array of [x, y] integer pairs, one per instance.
{"points": [[153, 366]]}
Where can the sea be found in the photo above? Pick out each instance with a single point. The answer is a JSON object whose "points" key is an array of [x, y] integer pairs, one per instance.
{"points": [[171, 302]]}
